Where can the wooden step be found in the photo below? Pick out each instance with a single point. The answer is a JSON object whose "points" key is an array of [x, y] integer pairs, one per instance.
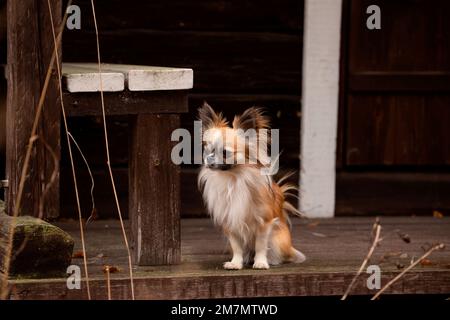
{"points": [[334, 249]]}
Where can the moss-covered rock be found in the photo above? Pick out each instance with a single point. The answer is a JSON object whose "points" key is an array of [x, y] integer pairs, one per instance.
{"points": [[40, 249]]}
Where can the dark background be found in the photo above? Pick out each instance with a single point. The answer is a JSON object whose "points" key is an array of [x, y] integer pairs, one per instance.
{"points": [[393, 153], [243, 53]]}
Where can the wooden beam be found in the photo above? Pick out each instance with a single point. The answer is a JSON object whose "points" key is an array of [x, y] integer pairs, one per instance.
{"points": [[232, 285], [126, 102], [422, 82], [30, 46], [154, 191], [392, 193], [320, 106]]}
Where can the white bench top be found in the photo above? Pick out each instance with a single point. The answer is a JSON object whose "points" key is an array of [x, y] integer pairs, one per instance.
{"points": [[84, 77]]}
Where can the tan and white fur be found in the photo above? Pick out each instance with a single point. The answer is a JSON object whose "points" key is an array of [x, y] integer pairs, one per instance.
{"points": [[249, 206]]}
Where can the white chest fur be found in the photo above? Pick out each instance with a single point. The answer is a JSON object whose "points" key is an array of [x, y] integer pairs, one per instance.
{"points": [[232, 198]]}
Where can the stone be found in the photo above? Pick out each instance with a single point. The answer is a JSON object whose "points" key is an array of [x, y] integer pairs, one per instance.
{"points": [[40, 249]]}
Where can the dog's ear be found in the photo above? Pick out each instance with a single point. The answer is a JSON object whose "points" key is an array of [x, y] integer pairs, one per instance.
{"points": [[252, 118], [210, 118]]}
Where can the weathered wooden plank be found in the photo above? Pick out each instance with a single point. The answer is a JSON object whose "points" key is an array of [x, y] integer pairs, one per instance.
{"points": [[80, 77], [148, 78], [417, 82], [359, 193], [126, 103], [229, 286], [30, 46], [156, 78], [332, 260], [154, 190], [84, 77]]}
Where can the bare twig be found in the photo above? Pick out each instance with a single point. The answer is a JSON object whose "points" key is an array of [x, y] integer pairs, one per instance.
{"points": [[53, 176], [108, 281], [107, 153], [376, 228], [434, 248], [58, 67], [9, 244], [90, 174]]}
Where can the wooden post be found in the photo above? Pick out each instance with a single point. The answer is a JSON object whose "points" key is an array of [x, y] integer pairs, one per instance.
{"points": [[320, 93], [30, 47], [154, 190]]}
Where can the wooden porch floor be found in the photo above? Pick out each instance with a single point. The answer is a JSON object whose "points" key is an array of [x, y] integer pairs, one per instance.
{"points": [[334, 248]]}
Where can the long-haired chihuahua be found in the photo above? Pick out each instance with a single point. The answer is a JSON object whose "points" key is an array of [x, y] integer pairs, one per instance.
{"points": [[240, 196]]}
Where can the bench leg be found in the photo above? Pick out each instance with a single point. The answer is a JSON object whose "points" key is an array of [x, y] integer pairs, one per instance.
{"points": [[154, 191]]}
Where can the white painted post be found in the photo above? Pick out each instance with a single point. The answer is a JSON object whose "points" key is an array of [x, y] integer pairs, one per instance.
{"points": [[320, 91]]}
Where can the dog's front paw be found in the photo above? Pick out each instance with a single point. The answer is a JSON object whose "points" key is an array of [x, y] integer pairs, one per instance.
{"points": [[230, 265], [261, 264]]}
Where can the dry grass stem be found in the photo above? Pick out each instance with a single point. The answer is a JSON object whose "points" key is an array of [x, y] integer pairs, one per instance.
{"points": [[130, 267], [434, 248], [74, 176], [375, 229]]}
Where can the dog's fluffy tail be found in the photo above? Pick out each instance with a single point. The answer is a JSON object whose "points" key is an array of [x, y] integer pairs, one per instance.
{"points": [[297, 256], [285, 188]]}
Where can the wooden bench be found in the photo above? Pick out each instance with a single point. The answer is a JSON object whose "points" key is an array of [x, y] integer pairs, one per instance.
{"points": [[153, 98]]}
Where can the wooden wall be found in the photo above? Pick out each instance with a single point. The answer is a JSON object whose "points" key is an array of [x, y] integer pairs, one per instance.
{"points": [[243, 52], [394, 145]]}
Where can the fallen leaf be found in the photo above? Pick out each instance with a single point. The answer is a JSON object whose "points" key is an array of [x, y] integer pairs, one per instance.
{"points": [[405, 237], [78, 255], [391, 254], [437, 214], [111, 269], [400, 266], [317, 234], [426, 262], [313, 224], [388, 255]]}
